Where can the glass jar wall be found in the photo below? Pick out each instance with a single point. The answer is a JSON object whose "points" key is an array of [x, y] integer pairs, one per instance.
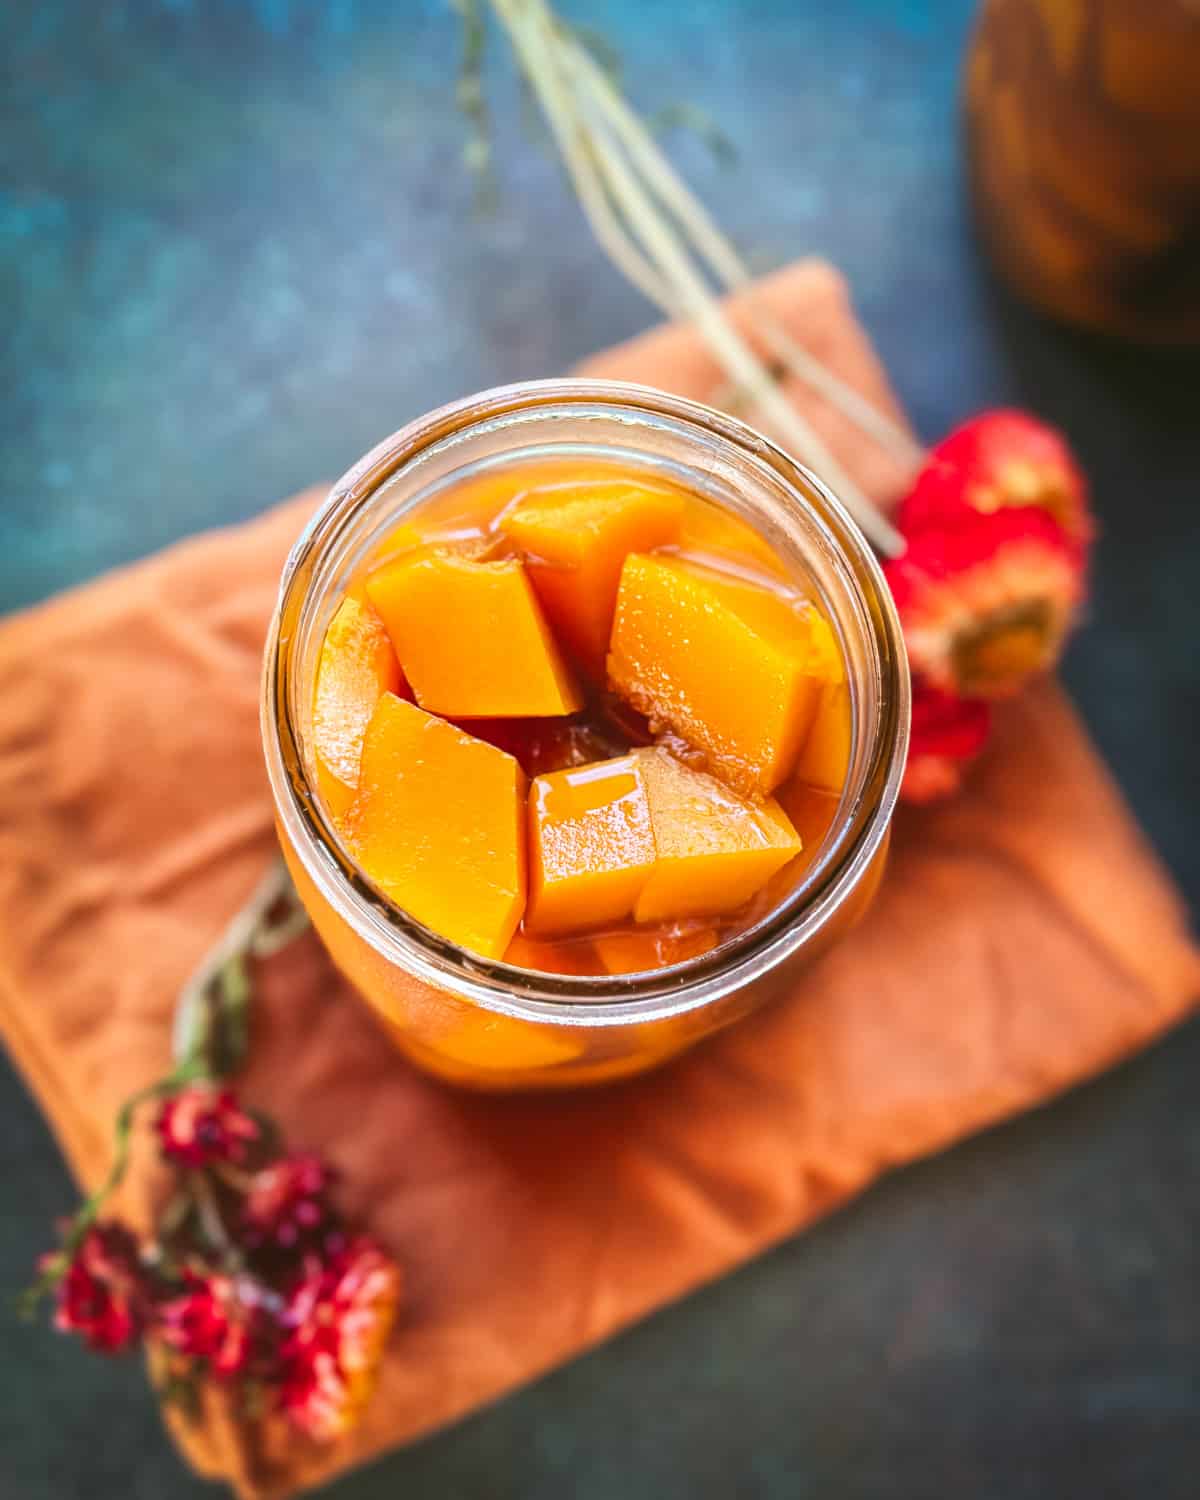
{"points": [[486, 1023]]}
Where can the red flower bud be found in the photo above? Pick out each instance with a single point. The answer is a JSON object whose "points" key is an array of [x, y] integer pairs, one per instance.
{"points": [[213, 1321], [202, 1125], [103, 1295], [999, 460], [986, 607], [946, 733], [338, 1315], [286, 1203]]}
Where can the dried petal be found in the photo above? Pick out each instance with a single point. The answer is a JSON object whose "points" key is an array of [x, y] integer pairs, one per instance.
{"points": [[947, 732], [338, 1314], [213, 1320], [989, 606], [999, 460], [286, 1204], [202, 1125], [103, 1294]]}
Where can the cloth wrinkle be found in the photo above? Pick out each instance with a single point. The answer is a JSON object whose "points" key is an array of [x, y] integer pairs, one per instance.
{"points": [[195, 850], [195, 636]]}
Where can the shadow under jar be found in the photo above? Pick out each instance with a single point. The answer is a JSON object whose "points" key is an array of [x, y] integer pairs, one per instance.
{"points": [[485, 1023]]}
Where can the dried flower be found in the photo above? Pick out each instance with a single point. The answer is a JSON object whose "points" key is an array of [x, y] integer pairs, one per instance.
{"points": [[286, 1202], [249, 1276], [947, 732], [987, 607], [102, 1293], [216, 1319], [999, 460], [203, 1124], [339, 1314]]}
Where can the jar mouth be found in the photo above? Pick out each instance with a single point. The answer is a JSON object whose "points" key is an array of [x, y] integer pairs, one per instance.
{"points": [[867, 801]]}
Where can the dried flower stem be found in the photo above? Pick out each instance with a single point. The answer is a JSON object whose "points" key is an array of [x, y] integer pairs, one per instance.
{"points": [[210, 1026], [271, 917], [619, 174], [724, 260], [579, 155], [211, 1223]]}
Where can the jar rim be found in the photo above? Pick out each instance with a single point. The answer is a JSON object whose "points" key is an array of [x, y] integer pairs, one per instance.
{"points": [[580, 1000]]}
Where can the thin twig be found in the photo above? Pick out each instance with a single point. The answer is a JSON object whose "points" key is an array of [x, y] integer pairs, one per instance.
{"points": [[578, 159], [211, 1223], [238, 940], [721, 255], [604, 173]]}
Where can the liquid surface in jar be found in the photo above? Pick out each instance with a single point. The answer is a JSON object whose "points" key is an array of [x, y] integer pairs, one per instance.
{"points": [[578, 718]]}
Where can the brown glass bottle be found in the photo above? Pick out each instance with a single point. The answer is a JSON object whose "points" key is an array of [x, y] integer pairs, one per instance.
{"points": [[1083, 138]]}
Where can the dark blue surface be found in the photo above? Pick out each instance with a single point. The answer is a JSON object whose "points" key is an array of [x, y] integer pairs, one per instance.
{"points": [[236, 248]]}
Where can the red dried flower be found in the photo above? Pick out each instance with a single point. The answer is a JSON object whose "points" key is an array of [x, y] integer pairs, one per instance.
{"points": [[987, 607], [339, 1314], [216, 1319], [946, 733], [286, 1203], [999, 460], [202, 1125], [102, 1295]]}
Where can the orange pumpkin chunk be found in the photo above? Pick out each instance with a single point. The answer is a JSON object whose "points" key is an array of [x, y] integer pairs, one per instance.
{"points": [[713, 849], [711, 532], [500, 1044], [572, 957], [632, 952], [471, 637], [438, 825], [811, 812], [590, 846], [575, 541], [356, 667], [825, 755], [733, 667]]}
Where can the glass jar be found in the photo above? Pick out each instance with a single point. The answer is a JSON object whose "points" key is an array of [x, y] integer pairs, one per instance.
{"points": [[486, 1023], [1083, 137]]}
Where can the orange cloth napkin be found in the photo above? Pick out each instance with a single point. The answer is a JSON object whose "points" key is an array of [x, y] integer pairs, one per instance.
{"points": [[1024, 938]]}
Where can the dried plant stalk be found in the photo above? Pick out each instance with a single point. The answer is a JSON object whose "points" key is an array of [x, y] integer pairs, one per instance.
{"points": [[659, 235]]}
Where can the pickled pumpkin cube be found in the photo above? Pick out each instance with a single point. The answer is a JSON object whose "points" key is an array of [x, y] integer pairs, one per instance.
{"points": [[575, 541], [811, 811], [573, 956], [590, 846], [471, 636], [735, 668], [490, 1045], [357, 666], [713, 849], [439, 825], [711, 532], [824, 757], [635, 951]]}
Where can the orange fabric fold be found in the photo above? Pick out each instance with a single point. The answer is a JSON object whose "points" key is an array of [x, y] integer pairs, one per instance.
{"points": [[1024, 937]]}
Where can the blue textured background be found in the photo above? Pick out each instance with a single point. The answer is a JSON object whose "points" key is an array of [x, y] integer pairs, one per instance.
{"points": [[236, 247]]}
